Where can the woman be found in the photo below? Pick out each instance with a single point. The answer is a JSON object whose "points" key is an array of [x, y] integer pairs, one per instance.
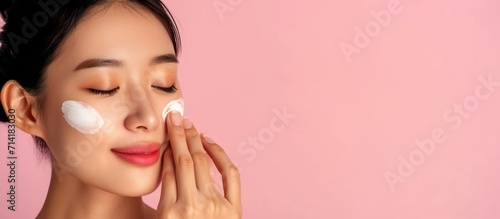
{"points": [[95, 83]]}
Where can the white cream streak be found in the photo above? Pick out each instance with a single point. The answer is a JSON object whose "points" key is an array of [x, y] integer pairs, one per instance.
{"points": [[177, 105], [82, 117]]}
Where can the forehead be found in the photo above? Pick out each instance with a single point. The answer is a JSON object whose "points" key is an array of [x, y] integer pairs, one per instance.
{"points": [[117, 31]]}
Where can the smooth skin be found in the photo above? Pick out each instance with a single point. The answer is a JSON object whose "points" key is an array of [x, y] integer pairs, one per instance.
{"points": [[187, 188], [99, 184]]}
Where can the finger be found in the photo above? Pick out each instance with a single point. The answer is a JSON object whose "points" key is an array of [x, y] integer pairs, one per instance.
{"points": [[229, 172], [200, 158], [168, 186], [184, 168]]}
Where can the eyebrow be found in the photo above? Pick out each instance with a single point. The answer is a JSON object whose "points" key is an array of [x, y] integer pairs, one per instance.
{"points": [[113, 63]]}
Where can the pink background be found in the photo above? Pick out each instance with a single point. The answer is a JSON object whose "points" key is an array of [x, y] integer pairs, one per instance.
{"points": [[356, 118]]}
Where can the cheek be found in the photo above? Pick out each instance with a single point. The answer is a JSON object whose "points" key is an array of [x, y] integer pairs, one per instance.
{"points": [[82, 117], [67, 146], [177, 105]]}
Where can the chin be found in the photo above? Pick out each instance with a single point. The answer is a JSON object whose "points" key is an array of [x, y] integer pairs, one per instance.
{"points": [[133, 191], [138, 183], [139, 192], [141, 187]]}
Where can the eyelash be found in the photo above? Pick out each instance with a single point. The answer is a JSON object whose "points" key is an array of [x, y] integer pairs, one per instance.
{"points": [[171, 89], [104, 92]]}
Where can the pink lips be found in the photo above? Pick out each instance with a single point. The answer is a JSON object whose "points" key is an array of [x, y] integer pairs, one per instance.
{"points": [[142, 155]]}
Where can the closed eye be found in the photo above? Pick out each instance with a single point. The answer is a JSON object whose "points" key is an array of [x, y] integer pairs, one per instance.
{"points": [[104, 92], [171, 89]]}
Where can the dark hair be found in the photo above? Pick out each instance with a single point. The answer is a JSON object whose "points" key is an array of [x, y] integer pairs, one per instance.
{"points": [[34, 31]]}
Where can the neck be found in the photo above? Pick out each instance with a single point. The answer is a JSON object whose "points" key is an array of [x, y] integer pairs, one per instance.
{"points": [[69, 197]]}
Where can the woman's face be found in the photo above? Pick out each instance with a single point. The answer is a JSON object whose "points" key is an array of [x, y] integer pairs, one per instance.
{"points": [[129, 50]]}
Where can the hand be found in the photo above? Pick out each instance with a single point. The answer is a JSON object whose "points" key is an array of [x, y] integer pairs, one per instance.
{"points": [[188, 191]]}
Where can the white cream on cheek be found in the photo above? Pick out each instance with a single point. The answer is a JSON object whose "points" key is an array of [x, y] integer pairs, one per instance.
{"points": [[82, 117], [177, 105], [87, 120]]}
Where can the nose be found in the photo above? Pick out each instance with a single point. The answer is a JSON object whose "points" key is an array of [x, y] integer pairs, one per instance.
{"points": [[141, 115]]}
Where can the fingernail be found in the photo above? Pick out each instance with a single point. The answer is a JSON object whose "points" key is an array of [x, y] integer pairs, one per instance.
{"points": [[176, 118], [208, 139], [187, 123]]}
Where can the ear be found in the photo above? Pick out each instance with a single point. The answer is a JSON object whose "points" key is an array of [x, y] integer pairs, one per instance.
{"points": [[14, 97]]}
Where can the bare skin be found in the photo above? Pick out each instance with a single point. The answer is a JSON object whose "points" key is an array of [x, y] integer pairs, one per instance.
{"points": [[95, 183]]}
